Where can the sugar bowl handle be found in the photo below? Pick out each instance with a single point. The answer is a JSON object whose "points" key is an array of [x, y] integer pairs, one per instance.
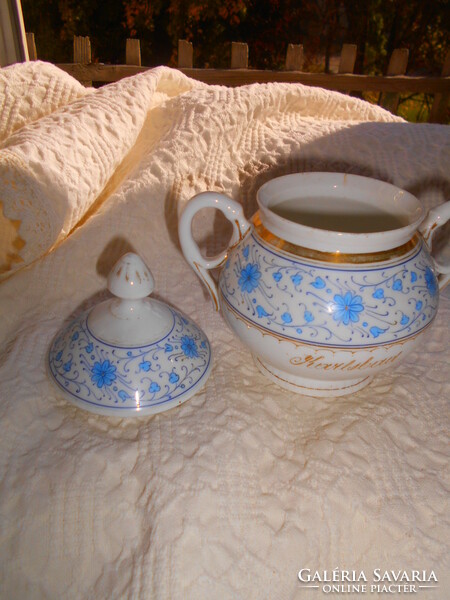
{"points": [[436, 218], [201, 265]]}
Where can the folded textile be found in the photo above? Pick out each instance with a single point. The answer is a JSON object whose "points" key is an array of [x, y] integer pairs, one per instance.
{"points": [[31, 90], [55, 167], [231, 494]]}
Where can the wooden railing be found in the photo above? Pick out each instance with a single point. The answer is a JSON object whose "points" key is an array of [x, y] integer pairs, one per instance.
{"points": [[389, 87]]}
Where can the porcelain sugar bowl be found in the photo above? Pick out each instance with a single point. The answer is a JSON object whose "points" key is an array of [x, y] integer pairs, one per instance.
{"points": [[130, 355], [331, 282]]}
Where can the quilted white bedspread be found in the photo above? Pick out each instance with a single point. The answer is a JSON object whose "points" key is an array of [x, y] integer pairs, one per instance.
{"points": [[233, 493]]}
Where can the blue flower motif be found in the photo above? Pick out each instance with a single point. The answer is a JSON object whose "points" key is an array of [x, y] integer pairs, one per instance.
{"points": [[189, 346], [103, 373], [249, 278], [430, 280], [346, 308], [245, 252], [168, 348], [154, 387], [89, 347], [59, 355], [75, 336], [286, 317], [123, 395], [67, 366], [404, 320], [308, 316], [261, 311], [296, 279], [145, 365], [277, 276], [397, 285], [378, 294], [376, 331], [173, 378], [318, 283], [419, 304], [413, 276]]}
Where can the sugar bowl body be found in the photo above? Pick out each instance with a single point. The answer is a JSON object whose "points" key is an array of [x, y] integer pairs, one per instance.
{"points": [[330, 283]]}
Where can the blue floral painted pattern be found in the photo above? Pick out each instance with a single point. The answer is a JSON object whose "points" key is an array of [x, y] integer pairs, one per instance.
{"points": [[105, 376], [103, 373], [189, 346], [354, 306], [249, 279], [347, 308], [431, 282]]}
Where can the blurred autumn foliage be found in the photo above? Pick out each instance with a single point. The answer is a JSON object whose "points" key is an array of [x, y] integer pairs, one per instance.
{"points": [[322, 26]]}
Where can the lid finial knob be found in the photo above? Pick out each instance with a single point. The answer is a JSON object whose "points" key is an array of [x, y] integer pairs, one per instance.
{"points": [[130, 278]]}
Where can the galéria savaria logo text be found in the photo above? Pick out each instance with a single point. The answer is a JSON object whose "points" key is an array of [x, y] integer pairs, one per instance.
{"points": [[380, 581]]}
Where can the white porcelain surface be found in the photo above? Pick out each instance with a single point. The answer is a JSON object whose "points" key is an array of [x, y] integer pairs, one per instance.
{"points": [[130, 355], [324, 324], [324, 191]]}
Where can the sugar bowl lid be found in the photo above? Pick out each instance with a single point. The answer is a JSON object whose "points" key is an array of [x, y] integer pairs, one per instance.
{"points": [[130, 355]]}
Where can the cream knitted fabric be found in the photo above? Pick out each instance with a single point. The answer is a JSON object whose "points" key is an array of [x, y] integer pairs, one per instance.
{"points": [[53, 169], [31, 90]]}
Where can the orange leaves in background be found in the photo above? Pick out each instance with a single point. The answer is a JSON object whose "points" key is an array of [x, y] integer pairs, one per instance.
{"points": [[322, 26], [138, 14], [232, 11]]}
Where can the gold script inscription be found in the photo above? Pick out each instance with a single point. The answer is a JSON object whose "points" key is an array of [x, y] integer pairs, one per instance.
{"points": [[317, 362]]}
